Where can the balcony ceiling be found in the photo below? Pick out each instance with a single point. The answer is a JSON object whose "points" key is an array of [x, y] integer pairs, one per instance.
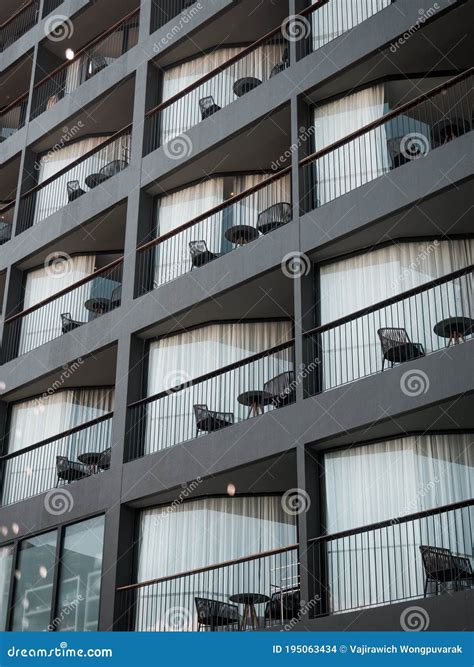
{"points": [[9, 179], [9, 7], [15, 80], [242, 24]]}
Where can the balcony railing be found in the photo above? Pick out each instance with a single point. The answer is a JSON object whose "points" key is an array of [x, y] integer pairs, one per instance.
{"points": [[241, 219], [50, 5], [201, 599], [322, 24], [414, 556], [13, 117], [92, 170], [6, 221], [404, 134], [35, 469], [19, 24], [163, 11], [89, 61], [63, 312], [236, 77], [264, 381], [403, 328]]}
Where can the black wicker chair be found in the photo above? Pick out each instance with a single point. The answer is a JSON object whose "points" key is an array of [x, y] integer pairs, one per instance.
{"points": [[69, 471], [104, 461], [116, 297], [281, 388], [208, 420], [208, 106], [68, 324], [397, 346], [112, 168], [442, 566], [284, 605], [200, 254], [395, 151], [214, 614], [74, 190], [281, 66], [274, 216]]}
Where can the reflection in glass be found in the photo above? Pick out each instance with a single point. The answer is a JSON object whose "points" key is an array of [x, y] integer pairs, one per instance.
{"points": [[6, 559]]}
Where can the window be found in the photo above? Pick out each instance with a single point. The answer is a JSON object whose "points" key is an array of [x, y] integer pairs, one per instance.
{"points": [[6, 560], [80, 577]]}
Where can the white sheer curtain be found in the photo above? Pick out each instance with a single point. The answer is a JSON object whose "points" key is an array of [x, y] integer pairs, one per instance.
{"points": [[359, 161], [185, 113], [44, 324], [174, 210], [384, 481], [178, 359], [214, 530], [339, 16], [249, 208], [39, 419], [353, 283]]}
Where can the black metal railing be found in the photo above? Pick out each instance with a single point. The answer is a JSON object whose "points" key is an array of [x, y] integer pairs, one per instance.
{"points": [[239, 220], [247, 388], [414, 556], [320, 25], [63, 312], [6, 221], [163, 11], [403, 328], [89, 61], [13, 117], [50, 5], [217, 89], [203, 599], [406, 133], [19, 24], [92, 170], [83, 451]]}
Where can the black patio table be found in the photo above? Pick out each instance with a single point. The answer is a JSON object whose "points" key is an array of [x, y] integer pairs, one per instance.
{"points": [[241, 234], [249, 600], [93, 180], [255, 400], [91, 460], [245, 85], [455, 329]]}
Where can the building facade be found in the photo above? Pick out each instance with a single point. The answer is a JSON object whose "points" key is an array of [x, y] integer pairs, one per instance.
{"points": [[236, 278]]}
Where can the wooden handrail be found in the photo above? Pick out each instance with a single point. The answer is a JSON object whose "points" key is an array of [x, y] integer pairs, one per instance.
{"points": [[390, 522], [64, 291], [220, 371], [17, 13], [59, 436], [93, 42], [15, 102], [216, 209], [227, 64], [208, 568], [383, 119], [390, 301]]}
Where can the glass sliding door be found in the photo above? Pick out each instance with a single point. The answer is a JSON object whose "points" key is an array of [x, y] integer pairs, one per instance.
{"points": [[34, 583], [6, 561], [387, 480], [80, 577]]}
